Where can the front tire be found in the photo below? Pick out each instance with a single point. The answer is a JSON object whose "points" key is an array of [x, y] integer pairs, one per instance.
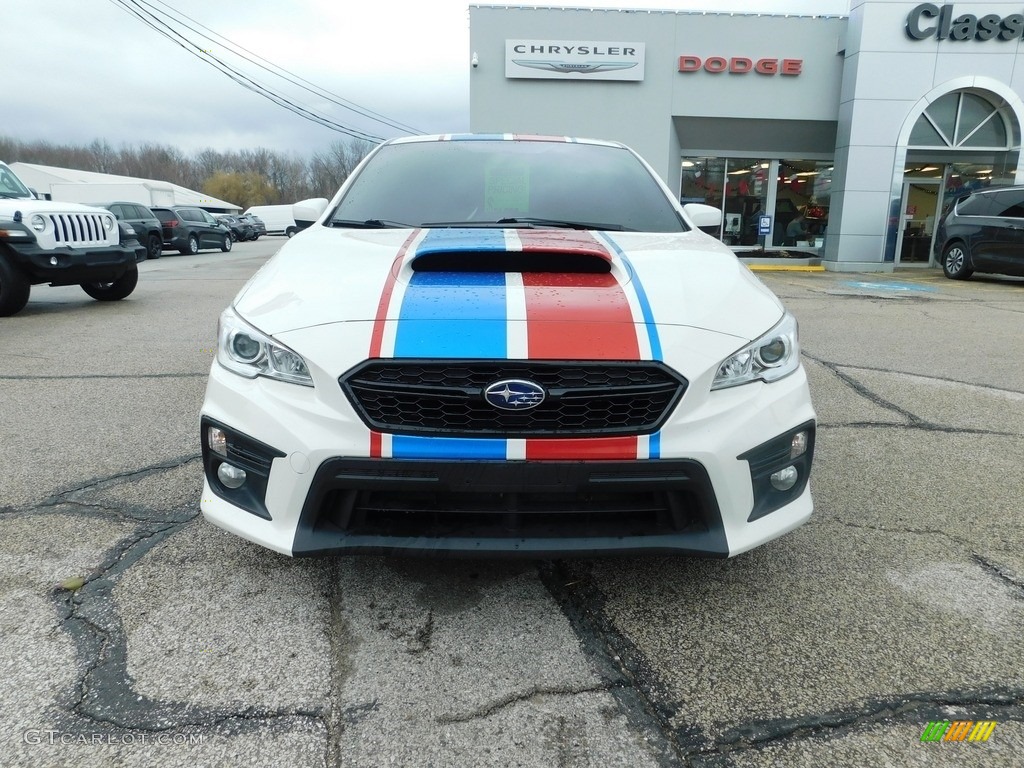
{"points": [[14, 289], [116, 290], [154, 247], [193, 246], [234, 237], [225, 244], [956, 263], [291, 231]]}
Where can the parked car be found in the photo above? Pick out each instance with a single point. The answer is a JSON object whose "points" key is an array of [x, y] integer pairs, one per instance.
{"points": [[983, 232], [240, 229], [129, 238], [44, 241], [548, 359], [188, 229], [147, 226], [257, 224]]}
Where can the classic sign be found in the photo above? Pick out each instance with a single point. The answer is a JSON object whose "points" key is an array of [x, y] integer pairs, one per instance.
{"points": [[929, 20]]}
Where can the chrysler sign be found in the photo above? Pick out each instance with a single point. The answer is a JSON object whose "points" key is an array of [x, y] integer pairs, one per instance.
{"points": [[574, 60]]}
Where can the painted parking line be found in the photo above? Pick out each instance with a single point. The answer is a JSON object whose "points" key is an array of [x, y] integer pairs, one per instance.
{"points": [[896, 286]]}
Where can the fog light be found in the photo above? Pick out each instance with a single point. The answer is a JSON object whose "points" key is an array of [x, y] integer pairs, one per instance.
{"points": [[217, 440], [53, 261], [799, 445], [233, 477], [784, 479]]}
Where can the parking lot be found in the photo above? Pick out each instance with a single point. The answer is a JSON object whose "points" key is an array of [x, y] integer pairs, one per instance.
{"points": [[136, 634]]}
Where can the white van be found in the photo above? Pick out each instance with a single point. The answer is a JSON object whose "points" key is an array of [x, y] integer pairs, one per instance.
{"points": [[278, 218]]}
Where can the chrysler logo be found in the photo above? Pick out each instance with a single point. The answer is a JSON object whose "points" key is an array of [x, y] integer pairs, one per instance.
{"points": [[514, 394], [565, 66]]}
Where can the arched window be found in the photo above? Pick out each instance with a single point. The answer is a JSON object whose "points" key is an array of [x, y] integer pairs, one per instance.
{"points": [[961, 120]]}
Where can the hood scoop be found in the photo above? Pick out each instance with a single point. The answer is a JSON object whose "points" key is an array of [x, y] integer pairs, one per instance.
{"points": [[585, 263]]}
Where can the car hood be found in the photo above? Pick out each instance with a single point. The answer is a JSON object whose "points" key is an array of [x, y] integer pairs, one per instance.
{"points": [[434, 278], [8, 206]]}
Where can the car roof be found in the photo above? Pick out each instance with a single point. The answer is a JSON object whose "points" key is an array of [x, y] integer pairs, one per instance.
{"points": [[502, 137]]}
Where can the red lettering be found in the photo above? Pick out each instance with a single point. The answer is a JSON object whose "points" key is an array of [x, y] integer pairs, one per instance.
{"points": [[792, 66], [689, 63], [740, 65]]}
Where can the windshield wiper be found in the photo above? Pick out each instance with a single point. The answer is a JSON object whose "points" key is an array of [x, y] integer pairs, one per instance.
{"points": [[534, 222], [370, 224]]}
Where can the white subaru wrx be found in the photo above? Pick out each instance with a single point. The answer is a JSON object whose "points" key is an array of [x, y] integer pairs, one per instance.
{"points": [[507, 345]]}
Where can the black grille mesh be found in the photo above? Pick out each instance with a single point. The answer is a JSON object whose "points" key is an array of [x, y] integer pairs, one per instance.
{"points": [[446, 397]]}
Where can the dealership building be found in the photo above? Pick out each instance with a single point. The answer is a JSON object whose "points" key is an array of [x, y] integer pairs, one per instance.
{"points": [[838, 138]]}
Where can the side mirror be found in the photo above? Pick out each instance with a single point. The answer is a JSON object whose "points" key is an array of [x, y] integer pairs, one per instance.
{"points": [[305, 212], [703, 216]]}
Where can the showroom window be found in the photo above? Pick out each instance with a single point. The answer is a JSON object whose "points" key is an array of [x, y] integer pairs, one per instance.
{"points": [[794, 193], [802, 192]]}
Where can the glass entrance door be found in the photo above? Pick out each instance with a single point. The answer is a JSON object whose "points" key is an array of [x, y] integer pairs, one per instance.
{"points": [[921, 207]]}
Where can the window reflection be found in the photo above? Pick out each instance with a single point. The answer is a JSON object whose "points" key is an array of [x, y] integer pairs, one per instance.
{"points": [[802, 193], [794, 193]]}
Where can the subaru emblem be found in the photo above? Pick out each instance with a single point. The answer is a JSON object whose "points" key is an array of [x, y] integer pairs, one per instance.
{"points": [[514, 394]]}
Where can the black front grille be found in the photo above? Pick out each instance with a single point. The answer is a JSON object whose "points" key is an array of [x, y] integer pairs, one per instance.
{"points": [[446, 397], [516, 508]]}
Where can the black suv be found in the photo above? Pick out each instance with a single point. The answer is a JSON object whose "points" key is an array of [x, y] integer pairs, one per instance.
{"points": [[984, 232], [240, 230], [188, 229], [147, 226]]}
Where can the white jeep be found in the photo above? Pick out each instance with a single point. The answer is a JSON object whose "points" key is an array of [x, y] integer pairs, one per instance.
{"points": [[42, 241]]}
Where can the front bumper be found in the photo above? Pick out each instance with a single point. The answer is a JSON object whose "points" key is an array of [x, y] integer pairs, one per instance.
{"points": [[74, 265], [319, 492]]}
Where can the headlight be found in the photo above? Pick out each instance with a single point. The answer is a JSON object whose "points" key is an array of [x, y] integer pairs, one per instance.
{"points": [[38, 223], [245, 351], [108, 223], [774, 355]]}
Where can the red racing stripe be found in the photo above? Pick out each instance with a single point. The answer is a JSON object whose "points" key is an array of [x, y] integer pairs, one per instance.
{"points": [[573, 317], [377, 334]]}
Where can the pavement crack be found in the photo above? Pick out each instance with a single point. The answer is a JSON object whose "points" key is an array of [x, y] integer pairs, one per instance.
{"points": [[987, 704], [624, 670], [1001, 572], [104, 694], [892, 529], [80, 376], [864, 392], [102, 483], [342, 646], [517, 698]]}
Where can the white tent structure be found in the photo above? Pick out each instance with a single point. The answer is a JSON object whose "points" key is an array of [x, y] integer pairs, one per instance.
{"points": [[87, 187]]}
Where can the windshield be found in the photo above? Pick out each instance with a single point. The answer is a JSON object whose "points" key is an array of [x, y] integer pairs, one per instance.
{"points": [[482, 182], [10, 185]]}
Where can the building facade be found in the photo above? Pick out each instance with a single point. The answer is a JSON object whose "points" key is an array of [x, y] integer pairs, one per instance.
{"points": [[839, 138]]}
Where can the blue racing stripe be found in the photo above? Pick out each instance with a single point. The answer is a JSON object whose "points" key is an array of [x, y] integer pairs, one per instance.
{"points": [[652, 329], [453, 315]]}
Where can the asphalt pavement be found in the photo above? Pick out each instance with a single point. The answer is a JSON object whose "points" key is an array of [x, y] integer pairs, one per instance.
{"points": [[135, 634]]}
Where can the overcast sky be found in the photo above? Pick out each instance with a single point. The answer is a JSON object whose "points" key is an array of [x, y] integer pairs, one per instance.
{"points": [[79, 70]]}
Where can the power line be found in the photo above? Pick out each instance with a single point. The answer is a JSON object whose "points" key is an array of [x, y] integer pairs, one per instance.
{"points": [[244, 80], [164, 29], [298, 80]]}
